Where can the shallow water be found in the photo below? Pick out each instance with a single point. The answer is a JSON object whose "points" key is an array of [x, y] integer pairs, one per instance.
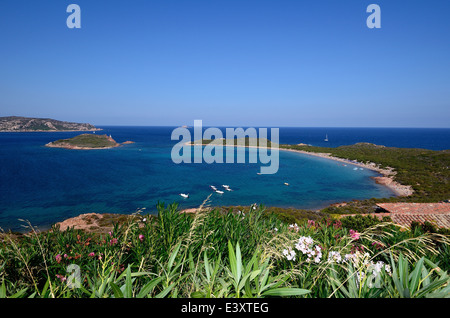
{"points": [[46, 185]]}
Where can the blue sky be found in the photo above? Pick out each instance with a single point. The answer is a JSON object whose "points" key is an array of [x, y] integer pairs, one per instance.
{"points": [[227, 62]]}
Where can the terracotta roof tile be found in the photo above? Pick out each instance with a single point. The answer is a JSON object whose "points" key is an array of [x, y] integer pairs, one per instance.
{"points": [[405, 213], [416, 208]]}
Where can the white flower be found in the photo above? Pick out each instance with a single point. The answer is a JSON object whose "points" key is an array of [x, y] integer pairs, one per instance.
{"points": [[334, 256], [304, 244], [387, 268], [294, 227], [376, 268], [290, 254]]}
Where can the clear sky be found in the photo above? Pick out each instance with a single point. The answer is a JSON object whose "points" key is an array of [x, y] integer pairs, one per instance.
{"points": [[227, 62]]}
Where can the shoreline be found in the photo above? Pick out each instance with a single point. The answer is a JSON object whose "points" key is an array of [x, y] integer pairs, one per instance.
{"points": [[386, 179], [84, 144], [66, 146]]}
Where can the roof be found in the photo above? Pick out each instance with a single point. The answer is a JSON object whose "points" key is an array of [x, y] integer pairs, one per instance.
{"points": [[416, 208], [405, 213]]}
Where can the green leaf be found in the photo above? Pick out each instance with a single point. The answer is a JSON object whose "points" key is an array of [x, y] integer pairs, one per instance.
{"points": [[3, 290], [443, 293], [232, 257], [19, 294], [128, 284], [165, 291], [395, 277], [238, 262], [403, 268], [198, 294], [415, 276], [44, 290], [286, 291], [116, 290], [432, 286], [148, 287], [172, 256], [207, 270]]}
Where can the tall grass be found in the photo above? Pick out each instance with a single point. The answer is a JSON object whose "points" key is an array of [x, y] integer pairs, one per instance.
{"points": [[214, 254]]}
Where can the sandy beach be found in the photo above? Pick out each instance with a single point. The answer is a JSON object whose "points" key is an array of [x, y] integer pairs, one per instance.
{"points": [[387, 178]]}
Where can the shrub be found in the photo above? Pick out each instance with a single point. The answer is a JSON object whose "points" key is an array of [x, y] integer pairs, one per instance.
{"points": [[360, 222]]}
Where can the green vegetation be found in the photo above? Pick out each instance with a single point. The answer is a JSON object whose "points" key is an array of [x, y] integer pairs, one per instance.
{"points": [[218, 253], [16, 123], [427, 171], [89, 141], [246, 251]]}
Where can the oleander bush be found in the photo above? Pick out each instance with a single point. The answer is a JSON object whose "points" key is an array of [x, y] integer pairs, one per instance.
{"points": [[226, 253]]}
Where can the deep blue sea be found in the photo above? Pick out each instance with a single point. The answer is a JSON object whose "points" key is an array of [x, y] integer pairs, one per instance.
{"points": [[46, 185]]}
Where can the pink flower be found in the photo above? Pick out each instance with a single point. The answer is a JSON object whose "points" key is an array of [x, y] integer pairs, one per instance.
{"points": [[61, 277], [141, 237], [113, 241], [354, 234], [58, 258], [91, 254], [377, 245], [337, 224]]}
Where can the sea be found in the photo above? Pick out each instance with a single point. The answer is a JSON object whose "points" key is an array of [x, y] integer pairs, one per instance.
{"points": [[44, 185]]}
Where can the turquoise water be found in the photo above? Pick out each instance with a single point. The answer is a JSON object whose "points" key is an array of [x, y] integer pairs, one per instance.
{"points": [[46, 185]]}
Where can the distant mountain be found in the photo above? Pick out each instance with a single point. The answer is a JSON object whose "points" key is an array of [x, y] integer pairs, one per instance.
{"points": [[23, 124]]}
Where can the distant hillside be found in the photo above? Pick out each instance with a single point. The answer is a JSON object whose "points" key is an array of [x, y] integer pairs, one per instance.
{"points": [[24, 124]]}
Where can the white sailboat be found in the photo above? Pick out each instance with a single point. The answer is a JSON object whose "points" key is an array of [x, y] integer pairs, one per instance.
{"points": [[326, 137], [184, 195]]}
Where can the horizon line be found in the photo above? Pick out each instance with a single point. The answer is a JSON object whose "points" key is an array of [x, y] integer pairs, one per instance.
{"points": [[238, 126]]}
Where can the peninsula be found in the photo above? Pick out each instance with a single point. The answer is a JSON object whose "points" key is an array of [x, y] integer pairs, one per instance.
{"points": [[85, 141], [414, 175], [28, 124]]}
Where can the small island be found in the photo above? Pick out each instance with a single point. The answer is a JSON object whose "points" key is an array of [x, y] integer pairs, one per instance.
{"points": [[236, 142], [86, 141]]}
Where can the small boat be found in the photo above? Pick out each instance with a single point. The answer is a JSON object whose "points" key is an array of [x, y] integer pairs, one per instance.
{"points": [[355, 168], [225, 186], [184, 195], [220, 192], [326, 137], [213, 187], [286, 183], [258, 173], [228, 189]]}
